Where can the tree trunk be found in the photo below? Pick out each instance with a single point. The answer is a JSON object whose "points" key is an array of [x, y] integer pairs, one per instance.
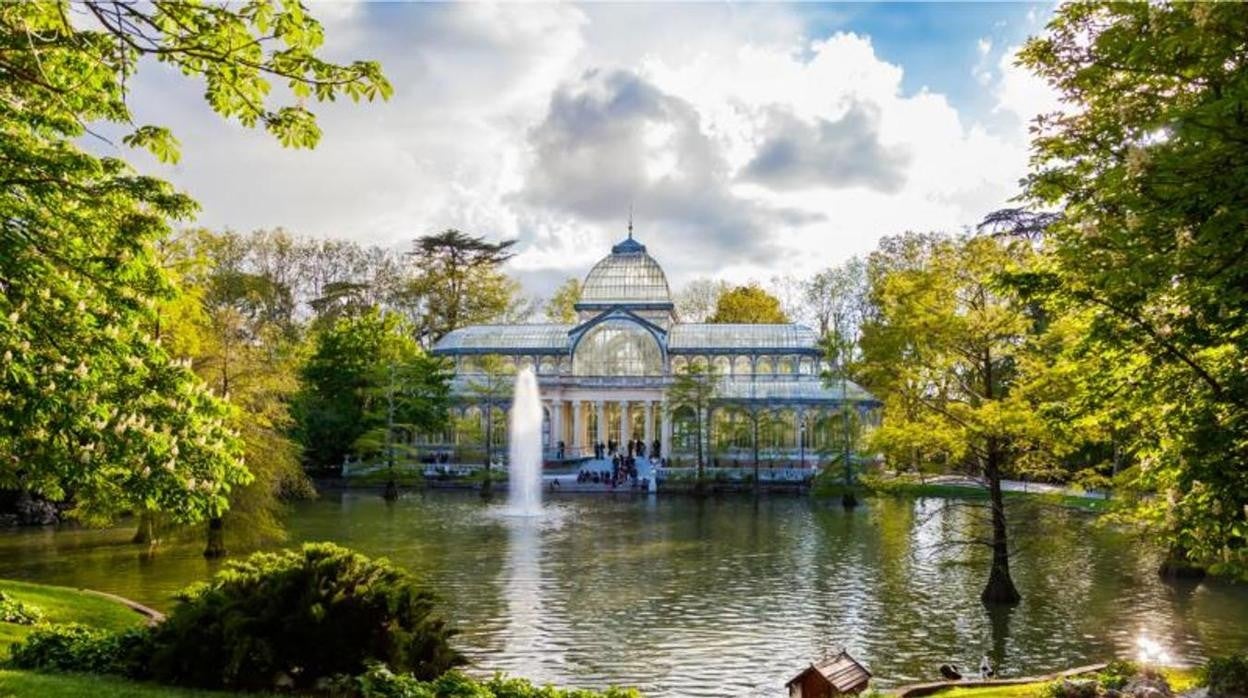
{"points": [[1000, 588], [216, 538], [486, 486], [145, 534], [1178, 566], [757, 484]]}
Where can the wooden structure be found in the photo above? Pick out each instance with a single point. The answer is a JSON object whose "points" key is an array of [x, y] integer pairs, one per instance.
{"points": [[837, 675]]}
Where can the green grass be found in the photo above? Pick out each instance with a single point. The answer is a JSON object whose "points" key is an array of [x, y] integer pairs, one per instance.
{"points": [[917, 489], [27, 684], [64, 605], [1180, 678]]}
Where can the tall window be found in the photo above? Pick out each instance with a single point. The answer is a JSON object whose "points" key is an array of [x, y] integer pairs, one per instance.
{"points": [[618, 348]]}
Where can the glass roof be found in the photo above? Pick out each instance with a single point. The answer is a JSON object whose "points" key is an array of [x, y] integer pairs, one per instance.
{"points": [[480, 337], [796, 389], [627, 275], [694, 336]]}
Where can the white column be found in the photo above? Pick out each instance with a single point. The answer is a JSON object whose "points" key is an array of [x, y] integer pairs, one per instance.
{"points": [[665, 439], [556, 424], [649, 429], [626, 426], [602, 422], [578, 429]]}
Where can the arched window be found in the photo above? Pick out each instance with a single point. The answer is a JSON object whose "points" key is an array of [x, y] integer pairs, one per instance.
{"points": [[618, 348], [741, 366], [684, 430], [785, 366], [679, 363], [763, 366], [722, 365]]}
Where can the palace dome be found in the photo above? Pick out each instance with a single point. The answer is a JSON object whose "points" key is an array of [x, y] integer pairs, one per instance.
{"points": [[626, 276]]}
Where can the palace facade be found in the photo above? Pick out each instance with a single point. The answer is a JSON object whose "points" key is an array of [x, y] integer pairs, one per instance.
{"points": [[604, 379]]}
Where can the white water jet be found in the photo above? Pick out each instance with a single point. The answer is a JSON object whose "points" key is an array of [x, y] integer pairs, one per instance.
{"points": [[524, 486]]}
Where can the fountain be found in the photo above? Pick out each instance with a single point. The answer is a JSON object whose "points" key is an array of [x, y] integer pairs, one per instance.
{"points": [[525, 448]]}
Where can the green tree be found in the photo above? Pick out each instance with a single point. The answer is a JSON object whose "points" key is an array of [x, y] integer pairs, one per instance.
{"points": [[409, 395], [491, 388], [748, 304], [562, 304], [91, 404], [346, 365], [751, 421], [951, 333], [458, 282], [693, 389], [247, 356], [1147, 168]]}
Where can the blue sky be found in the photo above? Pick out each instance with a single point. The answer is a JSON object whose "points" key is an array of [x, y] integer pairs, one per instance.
{"points": [[935, 41], [752, 140]]}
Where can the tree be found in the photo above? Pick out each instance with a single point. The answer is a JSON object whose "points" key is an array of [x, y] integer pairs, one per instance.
{"points": [[696, 303], [491, 389], [458, 281], [562, 304], [348, 363], [693, 389], [246, 353], [1146, 167], [748, 304], [951, 333], [837, 298], [755, 419], [409, 394], [91, 404]]}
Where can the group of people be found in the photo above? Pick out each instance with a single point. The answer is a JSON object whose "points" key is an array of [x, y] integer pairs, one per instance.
{"points": [[623, 462], [633, 448]]}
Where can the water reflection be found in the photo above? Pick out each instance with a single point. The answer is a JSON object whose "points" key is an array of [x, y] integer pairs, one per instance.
{"points": [[723, 596]]}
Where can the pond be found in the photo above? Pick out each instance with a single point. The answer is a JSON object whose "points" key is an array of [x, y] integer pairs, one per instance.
{"points": [[725, 596]]}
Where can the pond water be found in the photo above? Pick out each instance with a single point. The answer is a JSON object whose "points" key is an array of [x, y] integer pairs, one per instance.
{"points": [[722, 597]]}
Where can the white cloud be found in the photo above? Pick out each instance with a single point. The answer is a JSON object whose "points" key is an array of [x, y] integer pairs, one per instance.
{"points": [[516, 121], [1020, 93]]}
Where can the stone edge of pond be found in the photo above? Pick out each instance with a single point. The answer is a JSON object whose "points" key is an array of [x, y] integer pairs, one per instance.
{"points": [[916, 690], [152, 615]]}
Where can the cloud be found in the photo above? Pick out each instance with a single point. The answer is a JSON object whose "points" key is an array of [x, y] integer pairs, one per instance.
{"points": [[1021, 93], [611, 140], [748, 141], [843, 153]]}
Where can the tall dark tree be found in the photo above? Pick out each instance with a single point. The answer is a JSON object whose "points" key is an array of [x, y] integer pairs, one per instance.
{"points": [[458, 281], [947, 336]]}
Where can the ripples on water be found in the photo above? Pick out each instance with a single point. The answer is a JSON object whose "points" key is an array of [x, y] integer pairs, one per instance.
{"points": [[724, 596]]}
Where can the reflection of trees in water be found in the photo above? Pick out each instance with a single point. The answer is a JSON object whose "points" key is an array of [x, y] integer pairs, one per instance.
{"points": [[672, 593]]}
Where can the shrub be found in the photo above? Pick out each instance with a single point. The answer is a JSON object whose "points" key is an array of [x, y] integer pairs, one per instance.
{"points": [[295, 617], [17, 611], [379, 682], [76, 647], [1070, 688], [1226, 676], [1117, 673]]}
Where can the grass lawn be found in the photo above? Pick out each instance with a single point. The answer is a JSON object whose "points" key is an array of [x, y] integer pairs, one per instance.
{"points": [[64, 605], [24, 684], [1181, 679], [916, 489]]}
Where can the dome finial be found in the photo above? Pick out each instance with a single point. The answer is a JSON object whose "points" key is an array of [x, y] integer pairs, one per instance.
{"points": [[630, 220]]}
